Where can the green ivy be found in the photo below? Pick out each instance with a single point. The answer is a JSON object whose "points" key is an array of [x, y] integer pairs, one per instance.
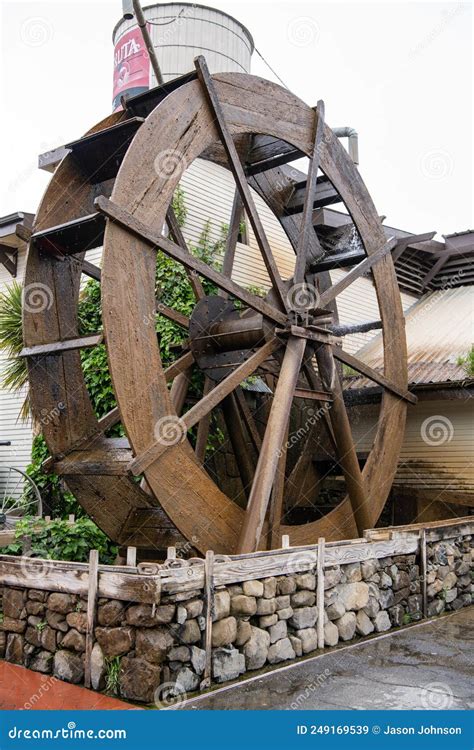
{"points": [[60, 540]]}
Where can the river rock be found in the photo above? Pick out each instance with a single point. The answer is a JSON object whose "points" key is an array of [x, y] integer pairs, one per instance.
{"points": [[224, 632], [278, 631], [285, 614], [221, 607], [335, 610], [153, 645], [286, 585], [266, 606], [256, 648], [303, 599], [62, 603], [302, 618], [227, 664], [74, 641], [346, 625], [41, 662], [280, 651], [331, 634], [269, 588], [111, 613], [244, 631], [115, 641], [77, 620], [382, 622], [98, 668], [14, 648], [13, 603], [198, 659], [352, 572], [68, 666], [243, 606], [253, 588], [354, 596], [306, 581], [186, 681], [138, 679], [308, 638], [364, 624]]}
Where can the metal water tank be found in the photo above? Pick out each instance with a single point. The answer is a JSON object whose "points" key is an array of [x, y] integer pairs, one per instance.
{"points": [[179, 32]]}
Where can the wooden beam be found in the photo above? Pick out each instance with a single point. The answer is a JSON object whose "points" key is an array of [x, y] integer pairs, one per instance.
{"points": [[369, 372], [59, 347], [91, 608], [237, 170], [178, 236], [89, 269], [356, 273], [9, 259], [271, 446], [232, 237], [306, 226], [206, 404], [127, 220], [343, 435]]}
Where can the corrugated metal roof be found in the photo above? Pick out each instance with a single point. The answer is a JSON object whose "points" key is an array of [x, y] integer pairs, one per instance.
{"points": [[439, 330]]}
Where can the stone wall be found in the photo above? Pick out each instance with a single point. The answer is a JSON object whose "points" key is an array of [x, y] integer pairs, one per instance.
{"points": [[449, 576], [255, 624]]}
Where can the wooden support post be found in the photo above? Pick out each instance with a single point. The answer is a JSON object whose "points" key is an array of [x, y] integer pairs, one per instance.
{"points": [[171, 553], [91, 607], [423, 571], [209, 597], [285, 541], [320, 592], [132, 557]]}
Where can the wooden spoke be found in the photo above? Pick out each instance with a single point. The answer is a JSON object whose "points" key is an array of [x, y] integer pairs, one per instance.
{"points": [[241, 180], [89, 269], [174, 315], [179, 389], [412, 239], [271, 446], [342, 432], [178, 237], [238, 439], [369, 372], [203, 427], [208, 402], [275, 514], [248, 418], [306, 226], [136, 227], [356, 272], [232, 237], [179, 366]]}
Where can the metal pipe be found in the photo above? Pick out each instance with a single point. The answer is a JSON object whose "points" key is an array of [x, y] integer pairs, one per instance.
{"points": [[127, 9], [353, 137], [137, 9]]}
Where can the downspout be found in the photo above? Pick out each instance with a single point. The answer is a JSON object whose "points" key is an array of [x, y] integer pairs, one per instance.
{"points": [[353, 137]]}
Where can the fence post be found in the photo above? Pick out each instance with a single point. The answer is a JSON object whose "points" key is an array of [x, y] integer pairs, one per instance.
{"points": [[285, 541], [320, 592], [209, 597], [91, 607], [171, 553], [424, 572], [132, 557]]}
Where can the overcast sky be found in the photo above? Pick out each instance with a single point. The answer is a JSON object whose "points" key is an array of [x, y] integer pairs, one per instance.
{"points": [[400, 73]]}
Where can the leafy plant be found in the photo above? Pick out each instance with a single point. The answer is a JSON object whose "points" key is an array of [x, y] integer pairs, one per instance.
{"points": [[40, 626], [406, 619], [112, 674], [61, 540], [467, 362], [15, 371]]}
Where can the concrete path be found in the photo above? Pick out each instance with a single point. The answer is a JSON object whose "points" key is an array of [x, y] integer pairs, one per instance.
{"points": [[427, 666], [22, 688]]}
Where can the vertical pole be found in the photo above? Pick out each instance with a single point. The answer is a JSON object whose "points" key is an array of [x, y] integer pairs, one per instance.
{"points": [[148, 43], [423, 571], [91, 607], [209, 597], [320, 592], [171, 553], [132, 557], [285, 541]]}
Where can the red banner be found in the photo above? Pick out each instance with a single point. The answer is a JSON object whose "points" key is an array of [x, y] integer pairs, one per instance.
{"points": [[131, 66]]}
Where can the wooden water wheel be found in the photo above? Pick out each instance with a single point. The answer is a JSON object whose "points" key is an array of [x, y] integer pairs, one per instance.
{"points": [[253, 127]]}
